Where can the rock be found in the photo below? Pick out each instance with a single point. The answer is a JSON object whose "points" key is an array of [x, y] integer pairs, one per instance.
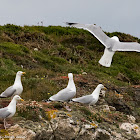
{"points": [[62, 129], [122, 106], [117, 136], [44, 135], [21, 66], [106, 108], [131, 128], [35, 49], [66, 126], [102, 93], [112, 108], [101, 134], [84, 73], [73, 122], [90, 126], [85, 135], [101, 102], [70, 61], [16, 132], [131, 118]]}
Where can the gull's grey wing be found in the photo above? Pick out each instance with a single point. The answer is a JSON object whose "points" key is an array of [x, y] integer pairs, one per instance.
{"points": [[126, 46], [84, 99], [8, 92], [63, 95], [4, 113], [96, 31]]}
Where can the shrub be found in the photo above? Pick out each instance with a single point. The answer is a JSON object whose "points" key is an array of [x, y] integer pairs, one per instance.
{"points": [[32, 110], [12, 28]]}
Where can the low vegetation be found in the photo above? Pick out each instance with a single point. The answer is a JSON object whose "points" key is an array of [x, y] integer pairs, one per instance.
{"points": [[62, 49], [47, 54]]}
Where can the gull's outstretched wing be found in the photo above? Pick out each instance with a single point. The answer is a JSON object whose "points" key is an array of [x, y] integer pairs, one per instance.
{"points": [[96, 31], [63, 95], [84, 99], [126, 46], [8, 92]]}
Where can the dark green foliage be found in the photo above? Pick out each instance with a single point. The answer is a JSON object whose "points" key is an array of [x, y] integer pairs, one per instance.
{"points": [[59, 60], [10, 28], [58, 105], [86, 111]]}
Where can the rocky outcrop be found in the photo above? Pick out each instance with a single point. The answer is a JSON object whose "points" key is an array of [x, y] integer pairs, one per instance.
{"points": [[17, 132], [64, 126], [53, 121], [131, 128]]}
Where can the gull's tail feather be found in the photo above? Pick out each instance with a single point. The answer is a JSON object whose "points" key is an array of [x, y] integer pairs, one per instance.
{"points": [[48, 100], [70, 101], [106, 59], [2, 97], [75, 100]]}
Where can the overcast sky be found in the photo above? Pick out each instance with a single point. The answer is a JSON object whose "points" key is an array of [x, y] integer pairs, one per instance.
{"points": [[111, 15]]}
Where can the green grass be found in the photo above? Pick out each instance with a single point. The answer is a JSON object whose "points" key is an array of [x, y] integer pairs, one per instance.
{"points": [[13, 49]]}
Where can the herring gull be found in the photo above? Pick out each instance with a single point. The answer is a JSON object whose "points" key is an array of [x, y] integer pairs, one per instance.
{"points": [[67, 93], [10, 110], [111, 44], [90, 99], [15, 89]]}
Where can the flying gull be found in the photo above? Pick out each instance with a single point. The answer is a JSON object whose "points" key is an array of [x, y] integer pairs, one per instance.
{"points": [[9, 111], [16, 88], [90, 99], [67, 93], [111, 44]]}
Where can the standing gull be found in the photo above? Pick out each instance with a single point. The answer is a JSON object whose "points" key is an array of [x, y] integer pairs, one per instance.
{"points": [[10, 110], [90, 99], [111, 44], [15, 89], [67, 93]]}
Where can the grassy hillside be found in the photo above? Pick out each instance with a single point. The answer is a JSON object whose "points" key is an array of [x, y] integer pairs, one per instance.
{"points": [[47, 53]]}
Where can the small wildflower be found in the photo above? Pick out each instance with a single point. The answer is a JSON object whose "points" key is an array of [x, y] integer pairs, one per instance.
{"points": [[136, 127], [69, 115], [51, 114], [93, 124]]}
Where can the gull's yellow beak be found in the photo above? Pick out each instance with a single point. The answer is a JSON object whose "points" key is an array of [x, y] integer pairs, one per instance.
{"points": [[105, 88], [21, 100], [23, 72]]}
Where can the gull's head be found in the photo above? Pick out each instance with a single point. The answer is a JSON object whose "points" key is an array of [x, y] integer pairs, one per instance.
{"points": [[17, 97], [101, 86], [70, 75], [115, 38], [20, 73]]}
